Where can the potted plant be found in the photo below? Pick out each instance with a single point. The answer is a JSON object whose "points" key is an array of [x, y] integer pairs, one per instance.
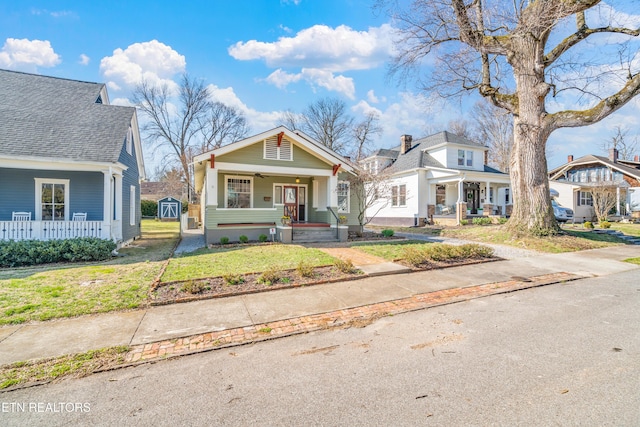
{"points": [[285, 220], [342, 219]]}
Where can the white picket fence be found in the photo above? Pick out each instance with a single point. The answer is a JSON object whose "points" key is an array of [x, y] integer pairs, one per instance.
{"points": [[52, 230]]}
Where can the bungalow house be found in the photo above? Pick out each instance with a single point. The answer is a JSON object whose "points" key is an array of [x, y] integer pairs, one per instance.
{"points": [[574, 181], [440, 178], [279, 183], [70, 163]]}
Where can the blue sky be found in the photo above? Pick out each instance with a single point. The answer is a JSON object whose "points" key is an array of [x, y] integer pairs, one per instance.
{"points": [[262, 56]]}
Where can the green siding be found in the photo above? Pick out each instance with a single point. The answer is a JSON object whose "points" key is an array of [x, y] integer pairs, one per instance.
{"points": [[235, 216], [254, 155]]}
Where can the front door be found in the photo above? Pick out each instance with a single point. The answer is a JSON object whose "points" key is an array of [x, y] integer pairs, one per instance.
{"points": [[291, 202]]}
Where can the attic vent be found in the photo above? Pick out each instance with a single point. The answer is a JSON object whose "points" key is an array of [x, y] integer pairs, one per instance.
{"points": [[273, 152], [99, 100]]}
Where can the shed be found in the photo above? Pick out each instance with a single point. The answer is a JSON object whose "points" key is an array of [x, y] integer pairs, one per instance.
{"points": [[169, 209]]}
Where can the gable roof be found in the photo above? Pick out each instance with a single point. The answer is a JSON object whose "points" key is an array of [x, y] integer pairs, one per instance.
{"points": [[55, 118], [590, 159], [418, 157]]}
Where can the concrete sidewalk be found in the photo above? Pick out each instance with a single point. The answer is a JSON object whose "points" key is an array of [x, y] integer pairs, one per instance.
{"points": [[55, 338]]}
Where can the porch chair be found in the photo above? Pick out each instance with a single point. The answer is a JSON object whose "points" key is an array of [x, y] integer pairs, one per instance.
{"points": [[79, 216], [445, 210], [21, 216]]}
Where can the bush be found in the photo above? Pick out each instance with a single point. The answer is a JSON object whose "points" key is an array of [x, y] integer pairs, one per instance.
{"points": [[192, 287], [149, 208], [473, 250], [305, 269], [269, 277], [605, 224], [243, 239], [587, 224], [502, 220], [32, 252], [233, 279], [387, 232], [224, 240], [414, 256], [262, 238], [345, 266], [443, 252], [481, 221], [464, 222]]}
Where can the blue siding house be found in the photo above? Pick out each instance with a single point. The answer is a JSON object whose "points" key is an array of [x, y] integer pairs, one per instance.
{"points": [[70, 163]]}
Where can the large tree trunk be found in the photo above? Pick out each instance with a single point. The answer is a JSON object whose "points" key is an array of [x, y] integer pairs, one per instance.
{"points": [[532, 212]]}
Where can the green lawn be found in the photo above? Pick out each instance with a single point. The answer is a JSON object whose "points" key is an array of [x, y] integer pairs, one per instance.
{"points": [[390, 250], [628, 229], [240, 260], [66, 290], [633, 260]]}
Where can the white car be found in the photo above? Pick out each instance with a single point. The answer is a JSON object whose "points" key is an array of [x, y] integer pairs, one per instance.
{"points": [[561, 213]]}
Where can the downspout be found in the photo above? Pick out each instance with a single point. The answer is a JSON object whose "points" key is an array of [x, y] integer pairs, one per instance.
{"points": [[460, 193]]}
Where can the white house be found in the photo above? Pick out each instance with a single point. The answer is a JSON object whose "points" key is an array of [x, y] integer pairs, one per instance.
{"points": [[437, 177]]}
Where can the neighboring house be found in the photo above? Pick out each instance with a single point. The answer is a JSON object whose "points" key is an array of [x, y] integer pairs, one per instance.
{"points": [[156, 190], [247, 187], [441, 177], [574, 179], [70, 163]]}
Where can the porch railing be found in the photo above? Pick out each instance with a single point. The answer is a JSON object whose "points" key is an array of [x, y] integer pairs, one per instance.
{"points": [[52, 230]]}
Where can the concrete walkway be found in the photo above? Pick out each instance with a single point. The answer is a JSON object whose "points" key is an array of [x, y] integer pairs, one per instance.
{"points": [[154, 324]]}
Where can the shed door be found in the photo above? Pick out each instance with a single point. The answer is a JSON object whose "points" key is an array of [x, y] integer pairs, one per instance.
{"points": [[169, 210]]}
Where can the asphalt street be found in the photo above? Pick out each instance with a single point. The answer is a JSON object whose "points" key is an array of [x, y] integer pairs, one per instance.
{"points": [[565, 354]]}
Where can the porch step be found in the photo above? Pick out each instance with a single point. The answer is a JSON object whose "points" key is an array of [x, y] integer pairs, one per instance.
{"points": [[314, 234]]}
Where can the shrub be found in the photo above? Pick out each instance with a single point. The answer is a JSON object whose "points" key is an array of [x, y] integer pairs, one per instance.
{"points": [[414, 256], [192, 287], [473, 250], [605, 224], [443, 252], [345, 266], [387, 232], [481, 221], [224, 240], [243, 239], [262, 238], [32, 252], [464, 222], [269, 277], [233, 279], [587, 224], [502, 220], [149, 208], [305, 269]]}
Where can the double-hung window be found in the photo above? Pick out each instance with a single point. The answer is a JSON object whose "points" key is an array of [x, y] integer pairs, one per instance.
{"points": [[465, 158], [585, 198], [52, 199], [343, 197], [399, 195], [238, 192]]}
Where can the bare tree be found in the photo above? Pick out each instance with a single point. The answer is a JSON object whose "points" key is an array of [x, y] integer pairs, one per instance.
{"points": [[515, 54], [494, 127], [362, 134], [292, 120], [372, 192], [603, 196], [620, 141], [328, 122], [222, 125], [461, 128], [187, 122]]}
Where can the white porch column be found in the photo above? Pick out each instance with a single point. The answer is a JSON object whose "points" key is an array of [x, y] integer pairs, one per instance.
{"points": [[118, 198], [460, 191], [617, 201], [106, 196], [332, 191], [487, 192], [212, 187]]}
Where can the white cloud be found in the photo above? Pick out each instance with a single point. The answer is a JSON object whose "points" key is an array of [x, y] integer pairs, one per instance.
{"points": [[122, 101], [152, 61], [84, 59], [315, 77], [372, 98], [258, 120], [55, 13], [285, 28], [335, 49], [27, 55]]}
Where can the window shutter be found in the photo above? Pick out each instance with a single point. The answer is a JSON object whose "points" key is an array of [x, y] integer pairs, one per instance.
{"points": [[285, 150], [271, 148]]}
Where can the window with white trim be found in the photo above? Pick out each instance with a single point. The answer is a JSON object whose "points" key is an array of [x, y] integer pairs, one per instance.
{"points": [[52, 199], [129, 141], [465, 158], [132, 205], [399, 195], [469, 158], [585, 198], [343, 196], [273, 152], [238, 192]]}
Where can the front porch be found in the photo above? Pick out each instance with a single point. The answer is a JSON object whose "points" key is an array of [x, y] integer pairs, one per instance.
{"points": [[53, 230]]}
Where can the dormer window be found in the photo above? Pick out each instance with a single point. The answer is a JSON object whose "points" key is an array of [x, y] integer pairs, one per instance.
{"points": [[465, 158], [99, 99]]}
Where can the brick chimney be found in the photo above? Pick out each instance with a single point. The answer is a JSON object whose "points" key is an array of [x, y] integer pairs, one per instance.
{"points": [[486, 157], [613, 155], [570, 158], [405, 143], [636, 158]]}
